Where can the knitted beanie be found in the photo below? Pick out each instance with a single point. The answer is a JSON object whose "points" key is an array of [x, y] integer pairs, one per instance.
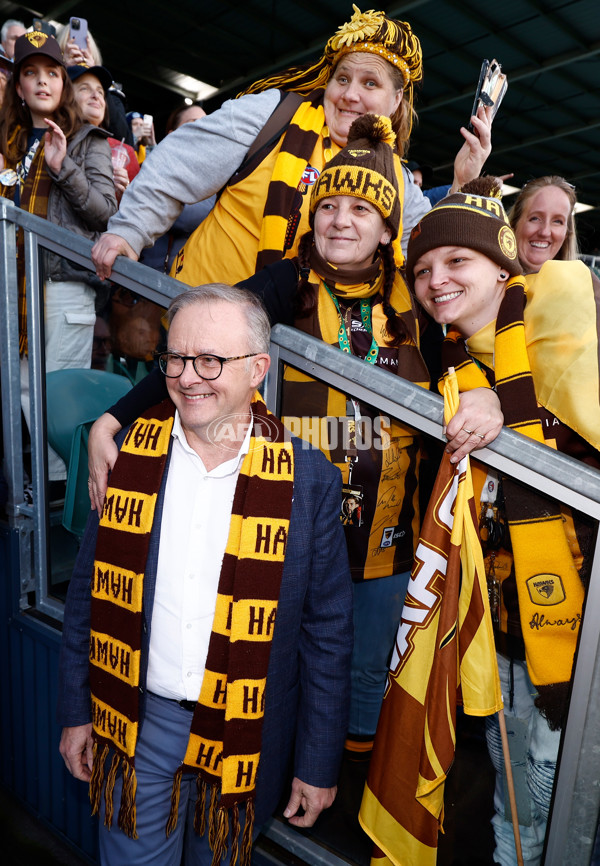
{"points": [[365, 169], [473, 218]]}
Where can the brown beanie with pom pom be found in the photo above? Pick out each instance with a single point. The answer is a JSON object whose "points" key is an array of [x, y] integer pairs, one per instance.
{"points": [[365, 169], [473, 218]]}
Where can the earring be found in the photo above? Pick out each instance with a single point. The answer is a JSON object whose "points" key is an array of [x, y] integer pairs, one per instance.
{"points": [[23, 103], [503, 276]]}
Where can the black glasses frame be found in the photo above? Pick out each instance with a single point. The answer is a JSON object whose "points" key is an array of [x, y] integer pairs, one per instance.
{"points": [[163, 359]]}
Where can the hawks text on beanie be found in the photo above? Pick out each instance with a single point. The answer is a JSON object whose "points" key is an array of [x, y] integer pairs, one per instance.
{"points": [[365, 169]]}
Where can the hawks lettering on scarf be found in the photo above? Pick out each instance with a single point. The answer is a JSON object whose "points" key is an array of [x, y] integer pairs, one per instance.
{"points": [[444, 651], [34, 192], [225, 736], [546, 574]]}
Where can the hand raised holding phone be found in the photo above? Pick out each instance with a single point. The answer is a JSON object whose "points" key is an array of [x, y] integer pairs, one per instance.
{"points": [[491, 87]]}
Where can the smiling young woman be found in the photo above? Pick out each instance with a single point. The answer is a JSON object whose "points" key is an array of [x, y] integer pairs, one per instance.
{"points": [[543, 219], [534, 340]]}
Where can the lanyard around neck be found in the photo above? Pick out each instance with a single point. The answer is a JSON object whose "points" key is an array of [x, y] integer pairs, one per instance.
{"points": [[365, 314]]}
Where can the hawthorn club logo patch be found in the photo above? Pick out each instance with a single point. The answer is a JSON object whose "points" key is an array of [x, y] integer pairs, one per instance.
{"points": [[546, 589]]}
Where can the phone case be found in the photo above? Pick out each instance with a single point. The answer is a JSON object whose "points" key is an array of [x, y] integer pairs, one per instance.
{"points": [[491, 88], [79, 34]]}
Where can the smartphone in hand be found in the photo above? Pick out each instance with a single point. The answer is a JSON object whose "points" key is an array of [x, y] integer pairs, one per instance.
{"points": [[491, 87], [78, 31]]}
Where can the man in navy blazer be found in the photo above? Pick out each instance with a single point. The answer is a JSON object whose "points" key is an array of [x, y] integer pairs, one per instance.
{"points": [[308, 685]]}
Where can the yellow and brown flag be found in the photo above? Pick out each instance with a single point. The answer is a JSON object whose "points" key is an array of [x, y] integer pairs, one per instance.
{"points": [[444, 652]]}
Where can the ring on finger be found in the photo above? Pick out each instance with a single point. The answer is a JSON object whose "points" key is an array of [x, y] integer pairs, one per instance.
{"points": [[468, 431], [481, 435]]}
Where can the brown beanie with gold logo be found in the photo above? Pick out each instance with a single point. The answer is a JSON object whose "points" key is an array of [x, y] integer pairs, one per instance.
{"points": [[365, 169], [473, 218]]}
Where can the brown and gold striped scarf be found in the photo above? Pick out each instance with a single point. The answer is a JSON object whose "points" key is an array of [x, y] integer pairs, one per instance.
{"points": [[296, 148], [388, 461], [549, 589], [34, 192], [224, 746]]}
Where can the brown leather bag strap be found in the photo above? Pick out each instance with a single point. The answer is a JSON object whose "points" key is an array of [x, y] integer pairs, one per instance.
{"points": [[269, 135]]}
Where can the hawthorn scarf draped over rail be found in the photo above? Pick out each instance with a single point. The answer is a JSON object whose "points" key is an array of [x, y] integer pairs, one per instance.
{"points": [[225, 737], [550, 591]]}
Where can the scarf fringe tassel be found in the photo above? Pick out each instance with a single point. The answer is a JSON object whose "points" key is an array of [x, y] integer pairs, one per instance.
{"points": [[109, 790], [200, 808], [175, 792], [97, 777], [127, 812], [219, 822]]}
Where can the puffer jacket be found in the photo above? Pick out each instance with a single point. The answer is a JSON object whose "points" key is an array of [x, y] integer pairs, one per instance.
{"points": [[82, 196]]}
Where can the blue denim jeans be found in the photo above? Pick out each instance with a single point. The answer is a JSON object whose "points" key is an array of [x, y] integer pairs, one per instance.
{"points": [[533, 748], [377, 610]]}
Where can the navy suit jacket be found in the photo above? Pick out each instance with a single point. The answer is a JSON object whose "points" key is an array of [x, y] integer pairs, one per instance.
{"points": [[308, 682]]}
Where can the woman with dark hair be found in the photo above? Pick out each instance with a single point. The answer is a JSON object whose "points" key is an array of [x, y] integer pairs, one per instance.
{"points": [[57, 167], [543, 220]]}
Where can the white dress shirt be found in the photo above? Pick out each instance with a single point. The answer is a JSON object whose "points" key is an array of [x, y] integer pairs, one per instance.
{"points": [[193, 537]]}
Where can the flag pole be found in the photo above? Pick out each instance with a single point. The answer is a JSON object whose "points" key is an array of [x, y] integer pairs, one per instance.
{"points": [[511, 786]]}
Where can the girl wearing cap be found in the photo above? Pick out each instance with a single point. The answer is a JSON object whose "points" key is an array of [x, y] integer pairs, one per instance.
{"points": [[59, 168], [543, 219], [527, 338], [344, 288], [281, 132]]}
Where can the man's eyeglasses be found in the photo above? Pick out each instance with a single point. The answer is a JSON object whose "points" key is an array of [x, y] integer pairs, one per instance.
{"points": [[206, 366]]}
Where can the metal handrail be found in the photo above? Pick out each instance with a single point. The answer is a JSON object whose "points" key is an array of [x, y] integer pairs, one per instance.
{"points": [[577, 798]]}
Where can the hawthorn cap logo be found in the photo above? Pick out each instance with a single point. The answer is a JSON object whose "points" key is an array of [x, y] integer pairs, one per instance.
{"points": [[37, 38], [546, 589], [357, 153], [507, 242]]}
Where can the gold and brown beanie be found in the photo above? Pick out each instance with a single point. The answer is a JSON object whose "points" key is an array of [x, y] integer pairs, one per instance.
{"points": [[365, 169], [474, 218]]}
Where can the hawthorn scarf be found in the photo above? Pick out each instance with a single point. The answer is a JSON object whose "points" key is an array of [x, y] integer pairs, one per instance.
{"points": [[280, 215], [385, 461], [326, 323], [225, 737], [34, 185], [549, 589]]}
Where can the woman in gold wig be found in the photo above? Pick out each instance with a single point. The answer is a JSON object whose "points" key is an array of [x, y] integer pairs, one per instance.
{"points": [[266, 149]]}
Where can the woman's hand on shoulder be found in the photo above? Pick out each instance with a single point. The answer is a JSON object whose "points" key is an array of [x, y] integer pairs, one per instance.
{"points": [[55, 146], [102, 455], [477, 422]]}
